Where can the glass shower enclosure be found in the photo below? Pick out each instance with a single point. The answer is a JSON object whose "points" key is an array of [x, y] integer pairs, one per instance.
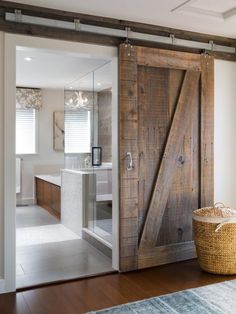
{"points": [[88, 146]]}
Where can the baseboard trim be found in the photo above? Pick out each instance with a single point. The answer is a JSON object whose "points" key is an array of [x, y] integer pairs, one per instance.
{"points": [[2, 286], [25, 201]]}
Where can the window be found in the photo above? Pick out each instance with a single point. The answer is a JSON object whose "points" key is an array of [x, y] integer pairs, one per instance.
{"points": [[26, 124], [77, 131]]}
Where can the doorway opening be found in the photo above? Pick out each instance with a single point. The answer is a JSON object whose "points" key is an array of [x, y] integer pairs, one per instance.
{"points": [[65, 139]]}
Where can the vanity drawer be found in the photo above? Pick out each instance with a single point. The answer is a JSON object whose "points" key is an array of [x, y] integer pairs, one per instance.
{"points": [[48, 196]]}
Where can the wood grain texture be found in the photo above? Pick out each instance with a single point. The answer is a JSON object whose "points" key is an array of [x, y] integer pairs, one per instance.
{"points": [[56, 199], [207, 131], [166, 254], [82, 296], [153, 125], [48, 196], [151, 93], [184, 191], [128, 142], [163, 182], [168, 59]]}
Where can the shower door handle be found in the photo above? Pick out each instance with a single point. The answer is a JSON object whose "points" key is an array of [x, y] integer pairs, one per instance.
{"points": [[130, 165]]}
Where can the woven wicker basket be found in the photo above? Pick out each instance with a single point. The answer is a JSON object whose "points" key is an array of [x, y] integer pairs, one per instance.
{"points": [[215, 238]]}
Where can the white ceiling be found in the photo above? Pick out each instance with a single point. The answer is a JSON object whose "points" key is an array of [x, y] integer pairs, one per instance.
{"points": [[50, 69], [206, 16]]}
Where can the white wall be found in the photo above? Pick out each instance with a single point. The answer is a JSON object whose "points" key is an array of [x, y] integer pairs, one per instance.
{"points": [[47, 160], [1, 154], [225, 132]]}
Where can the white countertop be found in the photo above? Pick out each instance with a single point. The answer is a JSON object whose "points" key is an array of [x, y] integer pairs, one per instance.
{"points": [[88, 170], [51, 178]]}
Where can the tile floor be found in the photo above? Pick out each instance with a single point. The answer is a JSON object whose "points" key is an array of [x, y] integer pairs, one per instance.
{"points": [[48, 262]]}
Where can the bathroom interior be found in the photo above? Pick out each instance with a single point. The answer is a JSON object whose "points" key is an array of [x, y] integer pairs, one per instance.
{"points": [[64, 169]]}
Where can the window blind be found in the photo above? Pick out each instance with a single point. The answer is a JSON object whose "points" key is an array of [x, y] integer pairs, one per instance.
{"points": [[25, 131], [77, 131]]}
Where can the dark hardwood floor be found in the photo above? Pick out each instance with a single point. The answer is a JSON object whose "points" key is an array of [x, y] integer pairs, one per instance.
{"points": [[106, 291]]}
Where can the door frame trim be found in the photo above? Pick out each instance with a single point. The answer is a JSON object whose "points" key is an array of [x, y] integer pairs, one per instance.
{"points": [[11, 42]]}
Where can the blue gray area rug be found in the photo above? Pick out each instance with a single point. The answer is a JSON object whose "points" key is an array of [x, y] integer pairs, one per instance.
{"points": [[213, 299]]}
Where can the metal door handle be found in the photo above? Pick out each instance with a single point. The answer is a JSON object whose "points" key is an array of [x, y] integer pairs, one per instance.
{"points": [[130, 161]]}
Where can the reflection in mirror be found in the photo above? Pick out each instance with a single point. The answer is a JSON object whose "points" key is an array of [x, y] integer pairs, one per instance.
{"points": [[88, 146]]}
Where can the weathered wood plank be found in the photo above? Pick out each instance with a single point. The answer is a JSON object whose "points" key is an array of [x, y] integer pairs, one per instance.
{"points": [[129, 246], [166, 254], [207, 131], [128, 136], [160, 194], [127, 146], [129, 129], [184, 191], [128, 208], [128, 228], [134, 174], [153, 124], [139, 109], [168, 59], [127, 54], [128, 263], [128, 109], [128, 89], [129, 188]]}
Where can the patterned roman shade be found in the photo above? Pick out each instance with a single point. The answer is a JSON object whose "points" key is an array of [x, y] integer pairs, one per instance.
{"points": [[28, 98]]}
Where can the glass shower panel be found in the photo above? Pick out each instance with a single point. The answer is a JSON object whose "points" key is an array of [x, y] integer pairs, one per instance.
{"points": [[88, 146], [80, 136], [79, 129], [103, 106]]}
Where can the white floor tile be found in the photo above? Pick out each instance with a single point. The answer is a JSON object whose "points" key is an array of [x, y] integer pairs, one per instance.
{"points": [[48, 252]]}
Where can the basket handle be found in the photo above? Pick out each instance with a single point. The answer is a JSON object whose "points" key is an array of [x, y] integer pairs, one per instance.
{"points": [[219, 204], [226, 222]]}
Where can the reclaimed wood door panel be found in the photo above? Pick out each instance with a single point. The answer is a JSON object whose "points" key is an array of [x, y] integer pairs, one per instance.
{"points": [[153, 123], [170, 160], [168, 129], [184, 192]]}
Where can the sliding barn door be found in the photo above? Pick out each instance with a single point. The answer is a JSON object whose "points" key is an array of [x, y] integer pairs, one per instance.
{"points": [[166, 152]]}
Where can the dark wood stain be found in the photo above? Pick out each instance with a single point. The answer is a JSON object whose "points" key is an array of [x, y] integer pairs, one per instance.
{"points": [[96, 293], [48, 196]]}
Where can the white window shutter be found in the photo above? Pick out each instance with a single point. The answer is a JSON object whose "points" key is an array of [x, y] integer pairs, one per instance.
{"points": [[25, 131], [77, 131]]}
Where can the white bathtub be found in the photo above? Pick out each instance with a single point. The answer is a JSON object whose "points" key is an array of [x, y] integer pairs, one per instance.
{"points": [[51, 178]]}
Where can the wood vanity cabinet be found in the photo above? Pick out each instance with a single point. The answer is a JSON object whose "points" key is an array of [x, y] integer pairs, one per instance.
{"points": [[48, 196]]}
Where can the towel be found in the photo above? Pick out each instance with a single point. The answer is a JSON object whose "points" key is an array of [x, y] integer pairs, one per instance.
{"points": [[18, 175]]}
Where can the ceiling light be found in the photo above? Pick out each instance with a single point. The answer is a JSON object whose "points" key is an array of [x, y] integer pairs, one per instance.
{"points": [[99, 84], [28, 59], [70, 87]]}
